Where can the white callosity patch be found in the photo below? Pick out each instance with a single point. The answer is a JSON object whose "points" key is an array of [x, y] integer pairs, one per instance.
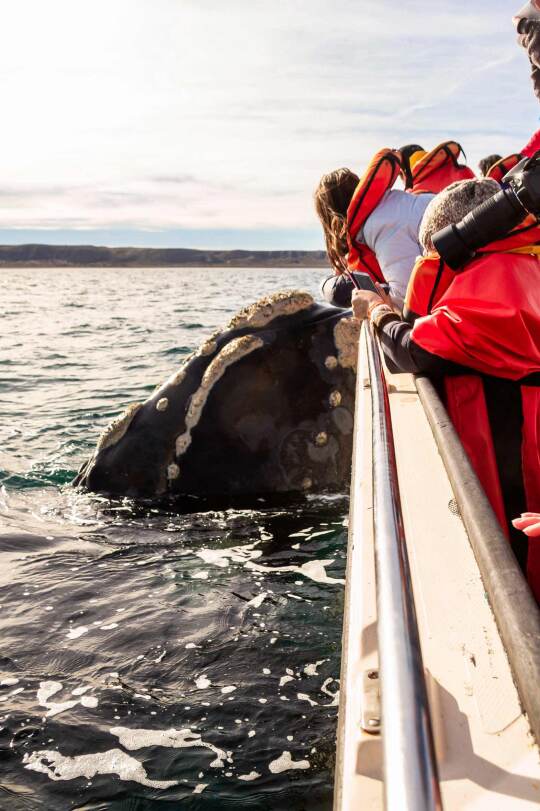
{"points": [[249, 777], [346, 338], [199, 788], [285, 762], [262, 312], [173, 471], [9, 681], [335, 398], [162, 404], [116, 430], [231, 353], [202, 682], [171, 738], [331, 362], [209, 346], [284, 679], [229, 688], [113, 761]]}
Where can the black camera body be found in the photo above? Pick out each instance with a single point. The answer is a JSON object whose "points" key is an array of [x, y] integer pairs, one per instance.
{"points": [[495, 218]]}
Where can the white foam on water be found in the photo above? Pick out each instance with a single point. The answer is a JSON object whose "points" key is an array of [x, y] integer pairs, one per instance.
{"points": [[113, 761], [295, 546], [199, 788], [79, 691], [333, 696], [170, 738], [248, 777], [251, 733], [285, 762], [313, 569], [108, 627], [284, 679], [90, 702], [235, 554], [305, 697], [311, 669], [202, 574], [9, 682], [257, 601], [266, 671], [202, 682], [302, 533], [75, 633], [47, 689], [229, 688]]}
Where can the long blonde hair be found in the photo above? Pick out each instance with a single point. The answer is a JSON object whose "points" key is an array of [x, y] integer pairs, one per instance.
{"points": [[332, 198]]}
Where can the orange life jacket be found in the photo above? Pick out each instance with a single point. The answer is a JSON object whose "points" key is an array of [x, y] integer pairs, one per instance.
{"points": [[487, 318], [431, 277], [437, 169], [502, 167], [378, 178]]}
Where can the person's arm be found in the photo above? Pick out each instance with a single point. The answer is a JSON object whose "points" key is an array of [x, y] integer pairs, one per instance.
{"points": [[401, 353], [529, 523]]}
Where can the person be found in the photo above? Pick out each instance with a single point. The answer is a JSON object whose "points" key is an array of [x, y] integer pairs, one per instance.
{"points": [[478, 337], [431, 172], [486, 163], [527, 23], [529, 523], [500, 168], [370, 228]]}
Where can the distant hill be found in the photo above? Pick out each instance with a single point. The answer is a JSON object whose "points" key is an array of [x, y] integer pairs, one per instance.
{"points": [[95, 256]]}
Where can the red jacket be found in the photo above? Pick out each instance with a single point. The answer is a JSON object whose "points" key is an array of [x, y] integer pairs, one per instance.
{"points": [[532, 146], [487, 318]]}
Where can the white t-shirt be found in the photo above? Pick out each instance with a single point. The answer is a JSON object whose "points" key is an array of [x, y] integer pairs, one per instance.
{"points": [[391, 232]]}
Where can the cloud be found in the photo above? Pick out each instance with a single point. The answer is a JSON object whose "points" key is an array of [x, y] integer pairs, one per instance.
{"points": [[208, 115]]}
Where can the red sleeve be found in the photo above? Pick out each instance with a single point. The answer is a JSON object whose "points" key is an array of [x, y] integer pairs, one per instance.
{"points": [[533, 145]]}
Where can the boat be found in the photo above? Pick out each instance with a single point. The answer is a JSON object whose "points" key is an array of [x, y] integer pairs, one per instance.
{"points": [[440, 679]]}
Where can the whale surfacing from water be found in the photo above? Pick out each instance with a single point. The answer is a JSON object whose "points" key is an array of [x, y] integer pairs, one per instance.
{"points": [[264, 406]]}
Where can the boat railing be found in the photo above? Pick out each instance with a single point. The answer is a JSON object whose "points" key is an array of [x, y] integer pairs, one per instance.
{"points": [[515, 610], [410, 769]]}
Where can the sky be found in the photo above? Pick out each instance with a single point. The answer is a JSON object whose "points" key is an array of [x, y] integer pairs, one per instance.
{"points": [[208, 123]]}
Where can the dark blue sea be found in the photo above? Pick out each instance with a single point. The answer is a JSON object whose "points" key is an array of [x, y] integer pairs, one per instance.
{"points": [[144, 663]]}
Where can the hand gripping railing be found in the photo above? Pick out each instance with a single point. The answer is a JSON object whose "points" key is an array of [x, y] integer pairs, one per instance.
{"points": [[410, 770]]}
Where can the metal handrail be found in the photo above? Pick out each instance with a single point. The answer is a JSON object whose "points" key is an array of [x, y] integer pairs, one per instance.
{"points": [[410, 771]]}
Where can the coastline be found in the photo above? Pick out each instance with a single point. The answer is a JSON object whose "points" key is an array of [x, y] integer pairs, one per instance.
{"points": [[47, 256]]}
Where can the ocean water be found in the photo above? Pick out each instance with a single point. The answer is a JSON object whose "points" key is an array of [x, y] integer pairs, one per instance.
{"points": [[145, 661]]}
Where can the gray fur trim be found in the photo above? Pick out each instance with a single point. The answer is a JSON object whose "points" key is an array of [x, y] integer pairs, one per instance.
{"points": [[452, 204]]}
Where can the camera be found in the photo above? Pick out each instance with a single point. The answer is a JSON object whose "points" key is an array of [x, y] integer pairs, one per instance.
{"points": [[457, 243]]}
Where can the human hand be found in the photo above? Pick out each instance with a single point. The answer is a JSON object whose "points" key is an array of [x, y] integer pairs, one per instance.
{"points": [[361, 301], [529, 523]]}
